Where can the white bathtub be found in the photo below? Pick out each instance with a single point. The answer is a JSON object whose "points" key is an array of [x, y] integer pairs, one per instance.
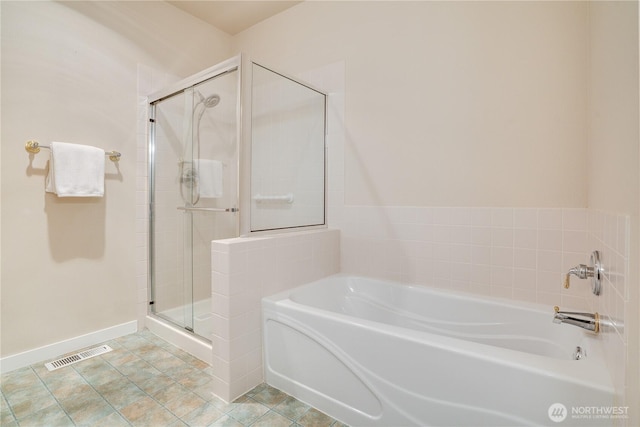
{"points": [[374, 353]]}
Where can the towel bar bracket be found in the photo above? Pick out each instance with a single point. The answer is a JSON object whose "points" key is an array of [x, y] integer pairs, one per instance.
{"points": [[34, 147]]}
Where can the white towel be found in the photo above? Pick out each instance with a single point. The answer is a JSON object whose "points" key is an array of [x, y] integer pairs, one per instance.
{"points": [[75, 170], [210, 178]]}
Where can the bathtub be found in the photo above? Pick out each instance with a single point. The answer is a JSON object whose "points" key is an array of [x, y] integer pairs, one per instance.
{"points": [[374, 353]]}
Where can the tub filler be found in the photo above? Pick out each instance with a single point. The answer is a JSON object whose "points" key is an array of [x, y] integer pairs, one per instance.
{"points": [[374, 353]]}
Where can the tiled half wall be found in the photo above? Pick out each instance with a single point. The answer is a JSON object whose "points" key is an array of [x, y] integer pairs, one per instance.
{"points": [[246, 269]]}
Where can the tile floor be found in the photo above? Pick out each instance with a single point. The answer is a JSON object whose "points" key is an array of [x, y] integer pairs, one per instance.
{"points": [[144, 381]]}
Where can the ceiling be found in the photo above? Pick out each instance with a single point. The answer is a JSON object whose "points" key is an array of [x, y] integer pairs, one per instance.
{"points": [[233, 16]]}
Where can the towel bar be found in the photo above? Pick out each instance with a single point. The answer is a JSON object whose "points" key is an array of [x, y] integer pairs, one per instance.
{"points": [[34, 147], [193, 208]]}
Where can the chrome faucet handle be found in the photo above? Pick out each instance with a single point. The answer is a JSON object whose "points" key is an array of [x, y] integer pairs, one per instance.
{"points": [[582, 271]]}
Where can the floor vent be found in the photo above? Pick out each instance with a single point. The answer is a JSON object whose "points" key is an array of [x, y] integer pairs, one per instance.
{"points": [[78, 357]]}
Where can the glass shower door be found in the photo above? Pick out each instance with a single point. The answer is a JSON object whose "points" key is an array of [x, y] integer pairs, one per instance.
{"points": [[193, 177]]}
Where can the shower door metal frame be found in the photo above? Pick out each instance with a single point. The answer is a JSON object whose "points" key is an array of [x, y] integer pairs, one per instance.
{"points": [[228, 66]]}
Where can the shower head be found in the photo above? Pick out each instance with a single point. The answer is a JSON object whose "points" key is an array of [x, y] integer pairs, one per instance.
{"points": [[209, 101]]}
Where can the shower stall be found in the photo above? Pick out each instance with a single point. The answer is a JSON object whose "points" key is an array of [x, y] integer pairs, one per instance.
{"points": [[193, 174], [233, 150]]}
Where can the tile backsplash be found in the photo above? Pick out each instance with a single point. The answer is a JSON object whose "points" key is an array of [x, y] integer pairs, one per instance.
{"points": [[515, 253]]}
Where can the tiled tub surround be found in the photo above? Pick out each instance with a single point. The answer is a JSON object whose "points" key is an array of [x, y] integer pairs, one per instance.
{"points": [[515, 253], [610, 233], [246, 269]]}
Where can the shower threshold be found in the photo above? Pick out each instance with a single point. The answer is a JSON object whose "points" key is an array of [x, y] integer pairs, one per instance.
{"points": [[191, 343], [202, 322]]}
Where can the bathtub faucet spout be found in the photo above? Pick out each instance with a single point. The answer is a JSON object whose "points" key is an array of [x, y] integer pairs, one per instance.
{"points": [[588, 321]]}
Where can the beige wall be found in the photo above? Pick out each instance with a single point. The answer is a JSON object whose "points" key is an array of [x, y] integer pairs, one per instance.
{"points": [[613, 107], [69, 73], [448, 103], [614, 152]]}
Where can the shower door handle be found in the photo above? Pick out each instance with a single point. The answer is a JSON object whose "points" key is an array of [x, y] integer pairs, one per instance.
{"points": [[190, 209]]}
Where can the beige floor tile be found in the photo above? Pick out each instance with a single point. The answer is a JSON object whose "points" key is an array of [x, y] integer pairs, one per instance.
{"points": [[145, 382]]}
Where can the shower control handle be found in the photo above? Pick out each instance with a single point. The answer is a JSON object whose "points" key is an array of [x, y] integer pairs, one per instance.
{"points": [[594, 271]]}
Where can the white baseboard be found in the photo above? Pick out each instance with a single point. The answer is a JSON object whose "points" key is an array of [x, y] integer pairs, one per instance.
{"points": [[41, 354]]}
